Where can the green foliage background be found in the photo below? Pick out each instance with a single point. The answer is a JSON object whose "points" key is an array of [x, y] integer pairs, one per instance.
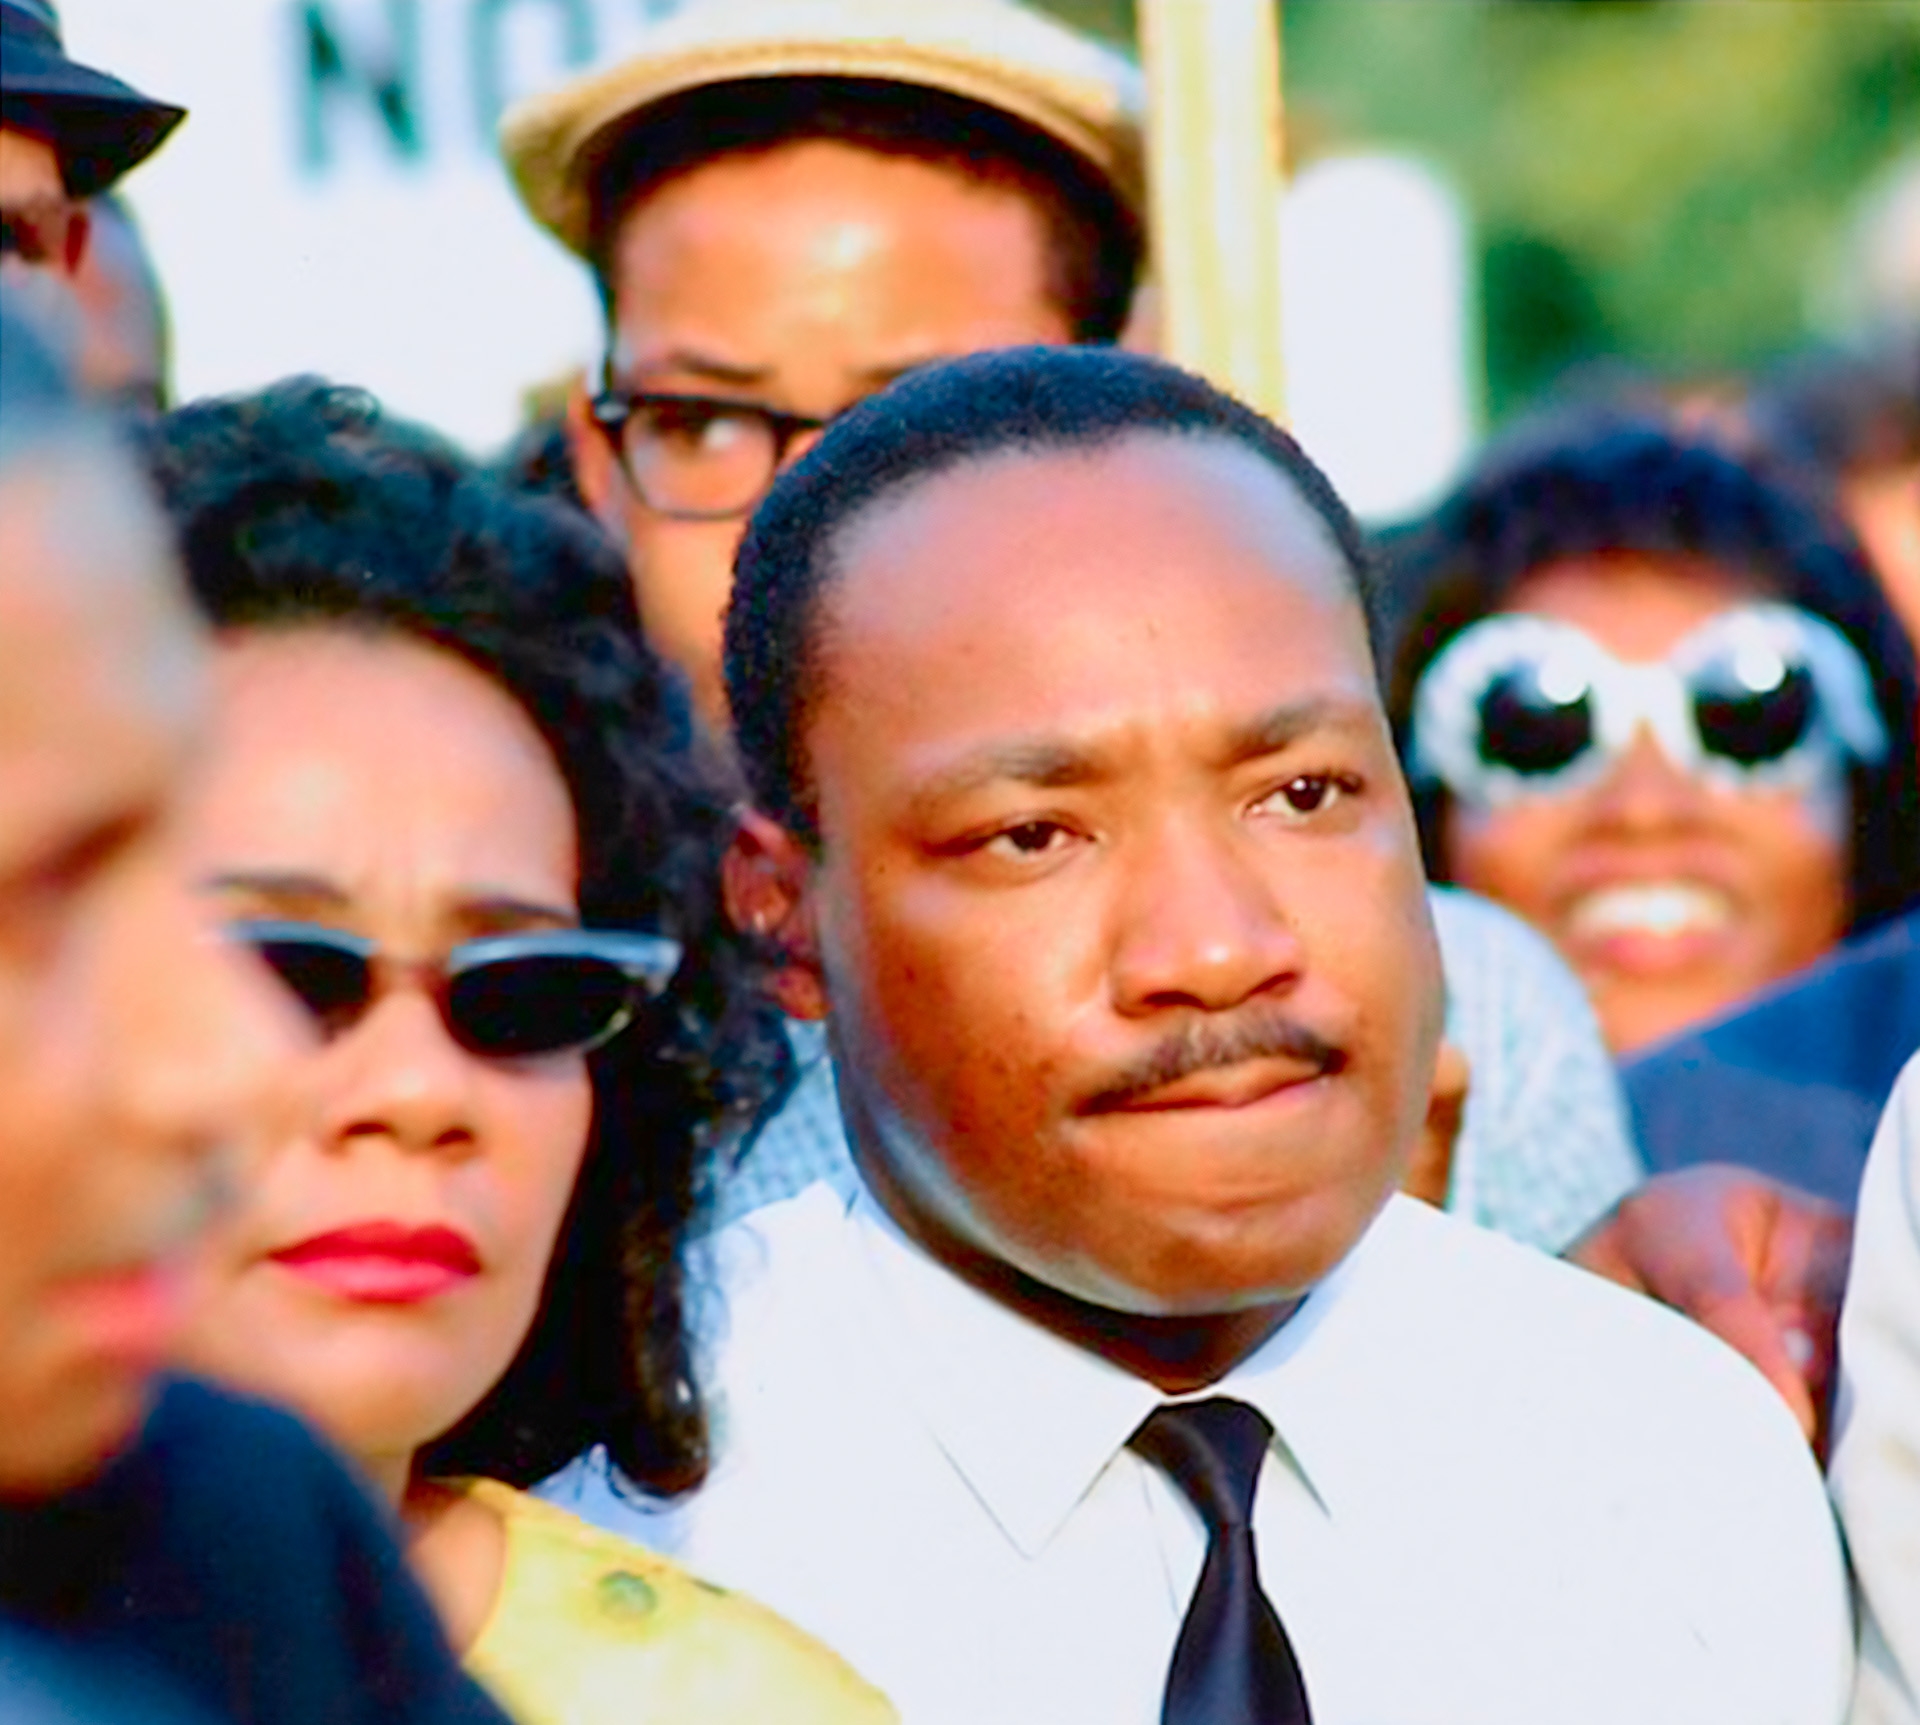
{"points": [[1655, 180]]}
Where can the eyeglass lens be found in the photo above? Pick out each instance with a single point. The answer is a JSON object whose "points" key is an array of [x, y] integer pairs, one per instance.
{"points": [[699, 458], [1524, 729], [1750, 725], [535, 1005]]}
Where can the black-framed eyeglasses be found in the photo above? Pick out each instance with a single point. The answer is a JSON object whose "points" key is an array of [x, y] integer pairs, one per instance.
{"points": [[505, 996], [697, 457]]}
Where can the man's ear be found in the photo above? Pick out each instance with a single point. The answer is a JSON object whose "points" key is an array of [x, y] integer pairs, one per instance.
{"points": [[594, 466], [766, 882]]}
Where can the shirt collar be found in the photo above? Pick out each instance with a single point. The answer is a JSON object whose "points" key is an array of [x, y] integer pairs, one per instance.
{"points": [[1030, 1421]]}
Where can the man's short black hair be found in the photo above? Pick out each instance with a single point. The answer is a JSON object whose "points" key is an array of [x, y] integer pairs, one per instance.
{"points": [[1028, 399], [1594, 482], [1094, 242]]}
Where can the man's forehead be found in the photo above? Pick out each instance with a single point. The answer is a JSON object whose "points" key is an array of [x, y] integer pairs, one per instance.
{"points": [[1169, 513], [1081, 595]]}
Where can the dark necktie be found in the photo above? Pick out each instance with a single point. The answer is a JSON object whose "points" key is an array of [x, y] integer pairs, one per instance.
{"points": [[1232, 1664]]}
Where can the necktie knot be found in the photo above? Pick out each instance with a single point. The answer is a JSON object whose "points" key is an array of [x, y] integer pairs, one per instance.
{"points": [[1213, 1451]]}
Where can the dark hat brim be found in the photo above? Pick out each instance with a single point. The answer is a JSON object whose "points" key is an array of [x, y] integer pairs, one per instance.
{"points": [[99, 126]]}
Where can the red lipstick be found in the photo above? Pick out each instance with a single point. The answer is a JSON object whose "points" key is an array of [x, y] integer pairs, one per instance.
{"points": [[384, 1263]]}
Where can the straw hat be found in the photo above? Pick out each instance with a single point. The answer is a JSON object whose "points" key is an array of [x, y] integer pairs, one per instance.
{"points": [[993, 52], [98, 126]]}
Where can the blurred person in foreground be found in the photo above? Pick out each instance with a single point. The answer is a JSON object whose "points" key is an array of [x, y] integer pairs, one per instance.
{"points": [[1658, 705], [1875, 1475], [785, 206], [67, 134], [163, 1550], [449, 799], [1053, 670]]}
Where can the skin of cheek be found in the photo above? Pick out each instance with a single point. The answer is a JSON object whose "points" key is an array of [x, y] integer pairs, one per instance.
{"points": [[1068, 1208], [382, 1381]]}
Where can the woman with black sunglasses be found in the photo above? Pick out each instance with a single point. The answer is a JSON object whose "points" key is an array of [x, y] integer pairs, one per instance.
{"points": [[451, 803], [1656, 704]]}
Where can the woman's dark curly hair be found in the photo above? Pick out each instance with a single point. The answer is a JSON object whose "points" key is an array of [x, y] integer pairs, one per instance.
{"points": [[1584, 483], [302, 507]]}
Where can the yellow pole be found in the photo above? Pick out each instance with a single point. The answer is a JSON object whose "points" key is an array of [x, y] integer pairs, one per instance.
{"points": [[1213, 173]]}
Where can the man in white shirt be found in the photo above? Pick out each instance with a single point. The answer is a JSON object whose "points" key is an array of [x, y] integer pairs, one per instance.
{"points": [[1876, 1450], [1052, 668], [784, 204]]}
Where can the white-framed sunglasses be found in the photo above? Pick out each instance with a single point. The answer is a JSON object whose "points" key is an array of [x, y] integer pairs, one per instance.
{"points": [[1760, 696]]}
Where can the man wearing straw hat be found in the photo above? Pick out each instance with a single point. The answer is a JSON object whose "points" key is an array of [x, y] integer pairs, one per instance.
{"points": [[787, 204]]}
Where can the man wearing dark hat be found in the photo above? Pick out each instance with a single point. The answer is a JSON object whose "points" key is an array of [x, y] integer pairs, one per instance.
{"points": [[66, 132]]}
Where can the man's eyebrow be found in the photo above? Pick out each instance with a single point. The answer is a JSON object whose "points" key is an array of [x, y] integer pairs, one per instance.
{"points": [[707, 366], [1037, 762], [1281, 726]]}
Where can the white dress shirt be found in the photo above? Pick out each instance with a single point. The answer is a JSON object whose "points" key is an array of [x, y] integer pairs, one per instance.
{"points": [[1502, 1492], [1876, 1448]]}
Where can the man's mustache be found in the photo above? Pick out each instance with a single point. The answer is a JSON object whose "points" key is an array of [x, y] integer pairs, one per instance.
{"points": [[1206, 1044]]}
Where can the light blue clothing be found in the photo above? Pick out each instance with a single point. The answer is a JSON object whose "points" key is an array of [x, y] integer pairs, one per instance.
{"points": [[1543, 1150]]}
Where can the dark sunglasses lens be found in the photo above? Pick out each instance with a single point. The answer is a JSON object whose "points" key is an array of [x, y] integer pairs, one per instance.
{"points": [[1748, 725], [1527, 731], [537, 1004], [332, 982]]}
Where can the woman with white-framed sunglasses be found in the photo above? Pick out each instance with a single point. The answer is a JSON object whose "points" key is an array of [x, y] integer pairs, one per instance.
{"points": [[451, 802], [1655, 702]]}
